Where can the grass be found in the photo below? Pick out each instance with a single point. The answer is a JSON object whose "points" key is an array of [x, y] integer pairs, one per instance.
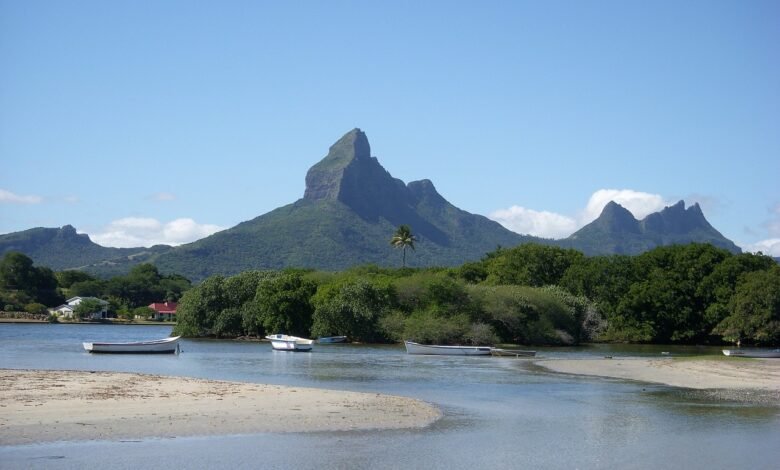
{"points": [[710, 357]]}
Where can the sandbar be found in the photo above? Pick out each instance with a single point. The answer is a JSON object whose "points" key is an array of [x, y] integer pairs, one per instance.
{"points": [[45, 405], [729, 374]]}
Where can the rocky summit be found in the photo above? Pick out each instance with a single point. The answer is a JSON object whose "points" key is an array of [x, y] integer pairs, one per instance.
{"points": [[347, 215]]}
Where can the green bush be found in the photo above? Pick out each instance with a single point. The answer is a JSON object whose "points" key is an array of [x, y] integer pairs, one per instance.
{"points": [[35, 308], [431, 328], [351, 308]]}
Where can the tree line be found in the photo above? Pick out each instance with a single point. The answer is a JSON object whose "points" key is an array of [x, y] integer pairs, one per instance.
{"points": [[25, 287], [530, 294]]}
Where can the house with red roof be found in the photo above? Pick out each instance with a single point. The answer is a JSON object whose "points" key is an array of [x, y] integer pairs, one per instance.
{"points": [[165, 311]]}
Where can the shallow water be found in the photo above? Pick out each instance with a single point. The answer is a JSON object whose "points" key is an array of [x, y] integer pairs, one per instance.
{"points": [[499, 412]]}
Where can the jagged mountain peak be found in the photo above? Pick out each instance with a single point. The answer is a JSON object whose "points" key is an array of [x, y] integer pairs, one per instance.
{"points": [[616, 218], [677, 219], [323, 180], [68, 232], [350, 175], [617, 231], [346, 170], [425, 190]]}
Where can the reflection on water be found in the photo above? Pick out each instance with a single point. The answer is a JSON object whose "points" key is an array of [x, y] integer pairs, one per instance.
{"points": [[739, 406], [498, 412]]}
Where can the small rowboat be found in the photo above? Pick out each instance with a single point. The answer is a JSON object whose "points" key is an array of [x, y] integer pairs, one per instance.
{"points": [[512, 352], [332, 339], [762, 353], [416, 348], [158, 346], [290, 343]]}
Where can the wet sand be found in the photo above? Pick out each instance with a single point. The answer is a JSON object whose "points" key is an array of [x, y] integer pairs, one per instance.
{"points": [[44, 406], [729, 374]]}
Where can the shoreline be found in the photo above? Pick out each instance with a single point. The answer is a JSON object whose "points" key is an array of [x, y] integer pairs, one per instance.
{"points": [[739, 374], [50, 405], [63, 322]]}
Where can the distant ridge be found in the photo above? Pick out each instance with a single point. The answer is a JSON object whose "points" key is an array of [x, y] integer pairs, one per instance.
{"points": [[348, 212], [617, 231], [64, 248]]}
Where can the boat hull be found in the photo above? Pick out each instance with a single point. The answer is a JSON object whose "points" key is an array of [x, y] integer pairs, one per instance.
{"points": [[512, 352], [332, 339], [757, 353], [436, 350], [161, 346], [290, 343]]}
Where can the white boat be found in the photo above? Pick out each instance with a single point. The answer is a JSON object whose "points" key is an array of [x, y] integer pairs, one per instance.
{"points": [[158, 346], [416, 348], [512, 352], [290, 343], [332, 339], [765, 353]]}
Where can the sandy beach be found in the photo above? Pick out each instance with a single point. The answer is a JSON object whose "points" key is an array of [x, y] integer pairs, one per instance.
{"points": [[735, 374], [43, 406]]}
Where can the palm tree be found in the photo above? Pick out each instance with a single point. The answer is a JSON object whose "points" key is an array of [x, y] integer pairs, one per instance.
{"points": [[402, 238]]}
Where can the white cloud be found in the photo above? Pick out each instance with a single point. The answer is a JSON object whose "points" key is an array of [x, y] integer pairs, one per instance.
{"points": [[773, 224], [553, 225], [538, 223], [7, 197], [638, 203], [769, 247], [145, 231], [163, 196]]}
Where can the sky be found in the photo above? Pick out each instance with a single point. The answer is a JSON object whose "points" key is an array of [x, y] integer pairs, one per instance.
{"points": [[150, 122]]}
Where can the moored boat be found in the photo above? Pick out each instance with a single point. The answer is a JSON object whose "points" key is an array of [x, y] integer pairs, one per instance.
{"points": [[290, 343], [512, 352], [760, 353], [416, 348], [332, 339], [159, 346]]}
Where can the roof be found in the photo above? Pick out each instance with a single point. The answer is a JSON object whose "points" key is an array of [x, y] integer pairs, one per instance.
{"points": [[72, 299], [164, 307]]}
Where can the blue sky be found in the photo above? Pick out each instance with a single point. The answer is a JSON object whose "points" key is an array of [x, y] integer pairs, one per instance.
{"points": [[162, 121]]}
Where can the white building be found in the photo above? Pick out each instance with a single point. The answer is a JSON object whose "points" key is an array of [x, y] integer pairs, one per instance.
{"points": [[66, 310]]}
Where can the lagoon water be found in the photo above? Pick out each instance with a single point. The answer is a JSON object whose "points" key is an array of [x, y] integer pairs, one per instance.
{"points": [[499, 413]]}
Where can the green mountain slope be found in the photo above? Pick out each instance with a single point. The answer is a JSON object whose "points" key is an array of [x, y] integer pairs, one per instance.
{"points": [[349, 211]]}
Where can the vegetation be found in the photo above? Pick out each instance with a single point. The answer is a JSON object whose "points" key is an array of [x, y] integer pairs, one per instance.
{"points": [[142, 286], [530, 294], [403, 238], [755, 308], [24, 287], [22, 284], [86, 308]]}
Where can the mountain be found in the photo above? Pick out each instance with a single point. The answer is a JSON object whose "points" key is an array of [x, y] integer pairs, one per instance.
{"points": [[63, 248], [347, 216], [349, 210], [616, 231]]}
